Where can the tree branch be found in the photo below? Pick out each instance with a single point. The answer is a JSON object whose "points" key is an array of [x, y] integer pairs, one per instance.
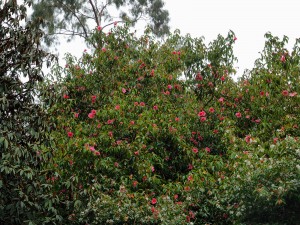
{"points": [[95, 12]]}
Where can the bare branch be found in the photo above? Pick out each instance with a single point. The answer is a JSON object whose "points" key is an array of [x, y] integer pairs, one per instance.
{"points": [[95, 12]]}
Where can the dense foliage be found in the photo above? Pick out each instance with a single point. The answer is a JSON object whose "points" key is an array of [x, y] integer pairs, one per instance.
{"points": [[24, 191], [138, 131], [159, 133]]}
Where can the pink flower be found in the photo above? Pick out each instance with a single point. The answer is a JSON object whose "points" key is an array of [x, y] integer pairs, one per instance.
{"points": [[248, 138], [97, 153], [136, 103], [169, 87], [235, 38], [293, 94], [190, 178], [282, 59], [92, 148], [152, 168], [207, 149], [285, 93], [91, 115], [202, 114], [115, 23], [153, 201], [195, 150], [99, 28], [211, 110], [76, 115], [117, 107], [222, 78], [134, 183], [66, 96], [93, 98], [199, 77], [93, 111], [177, 119], [202, 119], [142, 104], [261, 93], [70, 134], [221, 99], [110, 121], [155, 107], [238, 115], [123, 90], [190, 166], [132, 122]]}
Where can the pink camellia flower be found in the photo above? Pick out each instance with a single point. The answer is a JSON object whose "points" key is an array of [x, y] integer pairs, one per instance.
{"points": [[261, 93], [207, 149], [70, 134], [93, 111], [221, 99], [155, 107], [132, 122], [238, 115], [190, 178], [190, 166], [248, 138], [65, 96], [110, 121], [285, 93], [99, 28], [202, 119], [222, 78], [76, 115], [134, 183], [153, 201], [177, 119], [123, 90], [117, 107], [93, 98], [195, 150], [211, 110], [199, 77], [152, 168], [282, 59], [92, 148], [169, 86], [202, 113], [293, 94], [91, 115], [97, 153], [142, 104]]}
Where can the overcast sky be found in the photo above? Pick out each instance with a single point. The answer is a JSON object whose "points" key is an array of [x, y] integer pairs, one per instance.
{"points": [[249, 19]]}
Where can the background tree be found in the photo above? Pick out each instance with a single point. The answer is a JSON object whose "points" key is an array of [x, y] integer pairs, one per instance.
{"points": [[24, 189], [78, 17]]}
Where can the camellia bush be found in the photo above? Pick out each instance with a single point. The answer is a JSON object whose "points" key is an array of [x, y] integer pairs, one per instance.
{"points": [[159, 133]]}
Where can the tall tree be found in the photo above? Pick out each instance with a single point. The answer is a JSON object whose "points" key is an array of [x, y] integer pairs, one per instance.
{"points": [[77, 17], [24, 189]]}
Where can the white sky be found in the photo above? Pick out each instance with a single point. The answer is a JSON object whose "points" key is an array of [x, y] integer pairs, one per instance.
{"points": [[249, 19]]}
